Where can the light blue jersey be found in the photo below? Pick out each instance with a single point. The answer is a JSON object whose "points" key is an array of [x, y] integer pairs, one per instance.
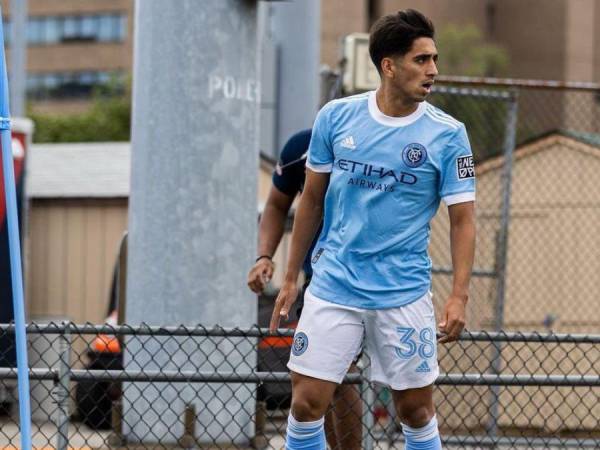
{"points": [[388, 175]]}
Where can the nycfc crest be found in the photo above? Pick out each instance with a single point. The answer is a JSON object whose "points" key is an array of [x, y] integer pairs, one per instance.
{"points": [[414, 155], [300, 344]]}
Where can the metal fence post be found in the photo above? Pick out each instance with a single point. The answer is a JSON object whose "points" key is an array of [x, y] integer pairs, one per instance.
{"points": [[188, 440], [368, 399], [502, 254], [259, 441], [116, 439], [62, 392]]}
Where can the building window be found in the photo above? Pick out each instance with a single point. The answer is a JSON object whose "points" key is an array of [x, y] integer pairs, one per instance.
{"points": [[70, 31], [84, 28], [54, 26], [105, 29], [71, 85], [89, 28], [35, 31]]}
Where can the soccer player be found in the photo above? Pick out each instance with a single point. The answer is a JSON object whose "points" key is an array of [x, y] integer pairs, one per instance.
{"points": [[378, 166], [343, 419]]}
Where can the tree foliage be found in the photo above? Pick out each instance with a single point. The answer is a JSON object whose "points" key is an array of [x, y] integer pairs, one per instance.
{"points": [[463, 51], [108, 119]]}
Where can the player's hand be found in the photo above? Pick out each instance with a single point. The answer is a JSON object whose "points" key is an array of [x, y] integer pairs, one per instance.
{"points": [[260, 274], [286, 298], [453, 320]]}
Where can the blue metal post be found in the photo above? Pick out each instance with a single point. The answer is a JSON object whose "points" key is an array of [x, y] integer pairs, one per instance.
{"points": [[15, 251]]}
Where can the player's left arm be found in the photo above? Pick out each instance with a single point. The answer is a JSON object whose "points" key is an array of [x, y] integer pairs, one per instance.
{"points": [[462, 245]]}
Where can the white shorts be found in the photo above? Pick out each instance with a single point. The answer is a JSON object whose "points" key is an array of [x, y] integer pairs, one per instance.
{"points": [[400, 342]]}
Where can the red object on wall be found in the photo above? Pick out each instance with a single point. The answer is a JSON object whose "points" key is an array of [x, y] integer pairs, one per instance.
{"points": [[21, 138], [19, 146]]}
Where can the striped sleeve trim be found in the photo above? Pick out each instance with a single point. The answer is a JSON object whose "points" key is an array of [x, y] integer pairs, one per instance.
{"points": [[463, 197], [320, 168], [445, 119], [442, 115], [352, 98]]}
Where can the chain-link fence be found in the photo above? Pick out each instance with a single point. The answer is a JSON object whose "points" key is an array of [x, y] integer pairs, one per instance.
{"points": [[490, 117], [553, 265], [537, 205], [90, 390], [537, 148]]}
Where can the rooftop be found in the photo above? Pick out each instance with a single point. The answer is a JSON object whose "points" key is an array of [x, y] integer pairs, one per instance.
{"points": [[90, 169]]}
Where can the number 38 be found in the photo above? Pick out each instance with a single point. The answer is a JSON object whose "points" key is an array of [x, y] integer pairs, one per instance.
{"points": [[408, 347]]}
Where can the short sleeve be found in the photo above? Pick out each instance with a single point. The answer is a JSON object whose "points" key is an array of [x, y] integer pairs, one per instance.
{"points": [[457, 183], [320, 151]]}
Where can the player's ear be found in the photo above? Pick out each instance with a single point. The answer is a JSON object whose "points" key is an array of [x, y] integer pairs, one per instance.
{"points": [[388, 67]]}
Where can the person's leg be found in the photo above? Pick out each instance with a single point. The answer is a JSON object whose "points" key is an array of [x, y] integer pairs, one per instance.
{"points": [[416, 412], [310, 399], [346, 417], [330, 420], [327, 338], [403, 351]]}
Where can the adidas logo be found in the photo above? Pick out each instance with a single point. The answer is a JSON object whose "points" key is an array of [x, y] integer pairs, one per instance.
{"points": [[423, 367], [348, 142]]}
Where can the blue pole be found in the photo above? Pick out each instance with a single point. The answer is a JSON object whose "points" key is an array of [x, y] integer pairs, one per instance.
{"points": [[15, 251]]}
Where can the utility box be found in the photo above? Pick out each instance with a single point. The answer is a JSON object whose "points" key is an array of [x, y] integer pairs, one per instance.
{"points": [[359, 73]]}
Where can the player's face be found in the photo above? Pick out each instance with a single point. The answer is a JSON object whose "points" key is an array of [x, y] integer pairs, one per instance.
{"points": [[414, 73]]}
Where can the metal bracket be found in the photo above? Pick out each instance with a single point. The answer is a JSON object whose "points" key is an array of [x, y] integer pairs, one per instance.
{"points": [[4, 123]]}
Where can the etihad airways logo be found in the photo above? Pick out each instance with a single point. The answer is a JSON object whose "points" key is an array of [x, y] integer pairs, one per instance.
{"points": [[369, 170]]}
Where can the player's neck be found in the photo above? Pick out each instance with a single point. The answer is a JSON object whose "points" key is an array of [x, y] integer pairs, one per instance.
{"points": [[394, 104]]}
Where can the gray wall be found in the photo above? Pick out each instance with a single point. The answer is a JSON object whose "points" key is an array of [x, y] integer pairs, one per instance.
{"points": [[295, 29]]}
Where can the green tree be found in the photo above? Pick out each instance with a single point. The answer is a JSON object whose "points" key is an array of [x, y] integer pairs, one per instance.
{"points": [[463, 51], [108, 119]]}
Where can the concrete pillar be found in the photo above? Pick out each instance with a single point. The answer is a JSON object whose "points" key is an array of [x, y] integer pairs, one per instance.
{"points": [[193, 214]]}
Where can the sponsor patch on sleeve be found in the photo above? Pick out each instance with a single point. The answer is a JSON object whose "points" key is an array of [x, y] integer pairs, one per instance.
{"points": [[465, 167]]}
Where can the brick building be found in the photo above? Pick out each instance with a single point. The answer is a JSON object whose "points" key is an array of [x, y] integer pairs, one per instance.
{"points": [[74, 45]]}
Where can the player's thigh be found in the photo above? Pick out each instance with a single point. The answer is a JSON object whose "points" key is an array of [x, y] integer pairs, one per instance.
{"points": [[327, 339], [402, 345]]}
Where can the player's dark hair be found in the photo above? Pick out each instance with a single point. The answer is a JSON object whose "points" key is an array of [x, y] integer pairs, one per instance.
{"points": [[394, 34]]}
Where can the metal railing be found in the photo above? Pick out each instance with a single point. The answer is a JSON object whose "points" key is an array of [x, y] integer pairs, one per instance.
{"points": [[547, 389]]}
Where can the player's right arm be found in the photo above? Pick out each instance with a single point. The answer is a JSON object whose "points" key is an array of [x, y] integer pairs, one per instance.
{"points": [[270, 231], [306, 223]]}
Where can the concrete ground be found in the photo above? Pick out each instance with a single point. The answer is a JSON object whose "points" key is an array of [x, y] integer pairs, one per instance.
{"points": [[82, 437]]}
